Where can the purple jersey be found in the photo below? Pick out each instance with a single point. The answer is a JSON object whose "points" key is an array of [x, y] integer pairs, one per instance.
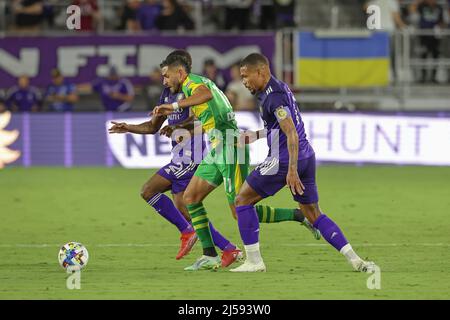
{"points": [[277, 102], [105, 87], [24, 99], [147, 14], [65, 90], [179, 117]]}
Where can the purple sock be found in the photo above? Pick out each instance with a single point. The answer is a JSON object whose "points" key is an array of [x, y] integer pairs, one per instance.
{"points": [[165, 207], [220, 240], [331, 232], [248, 224]]}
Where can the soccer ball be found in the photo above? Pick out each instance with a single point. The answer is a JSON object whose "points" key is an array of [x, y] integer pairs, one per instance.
{"points": [[73, 255]]}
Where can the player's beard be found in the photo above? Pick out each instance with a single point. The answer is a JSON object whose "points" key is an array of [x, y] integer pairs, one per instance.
{"points": [[174, 88]]}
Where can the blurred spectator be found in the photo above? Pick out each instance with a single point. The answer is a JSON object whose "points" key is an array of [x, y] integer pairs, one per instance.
{"points": [[147, 13], [278, 14], [390, 20], [23, 97], [211, 72], [240, 98], [61, 95], [90, 14], [153, 90], [173, 17], [49, 12], [237, 14], [431, 17], [285, 13], [116, 93], [128, 17], [28, 14]]}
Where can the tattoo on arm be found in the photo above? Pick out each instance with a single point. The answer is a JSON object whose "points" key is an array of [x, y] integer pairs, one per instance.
{"points": [[287, 126], [148, 127]]}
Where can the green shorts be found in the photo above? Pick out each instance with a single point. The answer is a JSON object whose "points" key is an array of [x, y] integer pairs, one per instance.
{"points": [[230, 167]]}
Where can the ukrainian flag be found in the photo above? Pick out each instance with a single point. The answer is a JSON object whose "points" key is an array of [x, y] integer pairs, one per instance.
{"points": [[342, 61]]}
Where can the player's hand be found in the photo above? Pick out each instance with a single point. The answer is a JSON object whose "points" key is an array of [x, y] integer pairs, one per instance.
{"points": [[294, 183], [163, 110], [167, 131], [118, 127]]}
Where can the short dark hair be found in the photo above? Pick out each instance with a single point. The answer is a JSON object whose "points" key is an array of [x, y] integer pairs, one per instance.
{"points": [[178, 58], [183, 53], [254, 59]]}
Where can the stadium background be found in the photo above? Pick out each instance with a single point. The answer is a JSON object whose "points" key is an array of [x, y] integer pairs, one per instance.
{"points": [[367, 97]]}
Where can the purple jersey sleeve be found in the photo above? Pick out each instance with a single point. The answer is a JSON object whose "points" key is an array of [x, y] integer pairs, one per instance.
{"points": [[97, 85], [126, 87], [10, 96], [278, 106], [71, 88]]}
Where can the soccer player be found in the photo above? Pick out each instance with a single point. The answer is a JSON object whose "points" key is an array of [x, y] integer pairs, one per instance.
{"points": [[294, 166], [176, 175], [226, 162]]}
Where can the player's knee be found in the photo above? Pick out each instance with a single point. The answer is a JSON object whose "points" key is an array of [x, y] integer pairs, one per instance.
{"points": [[242, 200], [190, 198], [311, 212], [147, 192]]}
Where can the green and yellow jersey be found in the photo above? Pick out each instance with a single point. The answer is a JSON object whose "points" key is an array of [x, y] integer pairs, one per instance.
{"points": [[217, 113]]}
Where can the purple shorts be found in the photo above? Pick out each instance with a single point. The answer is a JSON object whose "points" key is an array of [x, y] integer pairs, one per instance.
{"points": [[178, 174], [270, 177]]}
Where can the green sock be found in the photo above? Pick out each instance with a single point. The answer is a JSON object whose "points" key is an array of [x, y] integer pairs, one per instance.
{"points": [[268, 214], [200, 223]]}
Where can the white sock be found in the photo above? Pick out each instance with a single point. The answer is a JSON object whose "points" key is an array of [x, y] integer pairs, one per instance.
{"points": [[351, 255], [253, 254]]}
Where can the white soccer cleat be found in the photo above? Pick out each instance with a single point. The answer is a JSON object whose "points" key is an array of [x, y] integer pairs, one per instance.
{"points": [[250, 267], [364, 266]]}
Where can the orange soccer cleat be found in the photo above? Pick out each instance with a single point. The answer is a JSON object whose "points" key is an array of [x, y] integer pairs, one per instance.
{"points": [[187, 242], [231, 256]]}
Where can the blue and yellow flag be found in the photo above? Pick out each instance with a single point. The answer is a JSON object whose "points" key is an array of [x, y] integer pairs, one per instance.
{"points": [[342, 61]]}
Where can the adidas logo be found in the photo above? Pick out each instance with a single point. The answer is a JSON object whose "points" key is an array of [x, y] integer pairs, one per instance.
{"points": [[269, 90]]}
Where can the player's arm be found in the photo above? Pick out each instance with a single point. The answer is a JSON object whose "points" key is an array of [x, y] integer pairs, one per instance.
{"points": [[188, 124], [288, 128], [250, 136], [148, 127], [200, 94]]}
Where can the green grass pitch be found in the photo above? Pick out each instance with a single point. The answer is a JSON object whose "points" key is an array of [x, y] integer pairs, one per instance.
{"points": [[397, 216]]}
